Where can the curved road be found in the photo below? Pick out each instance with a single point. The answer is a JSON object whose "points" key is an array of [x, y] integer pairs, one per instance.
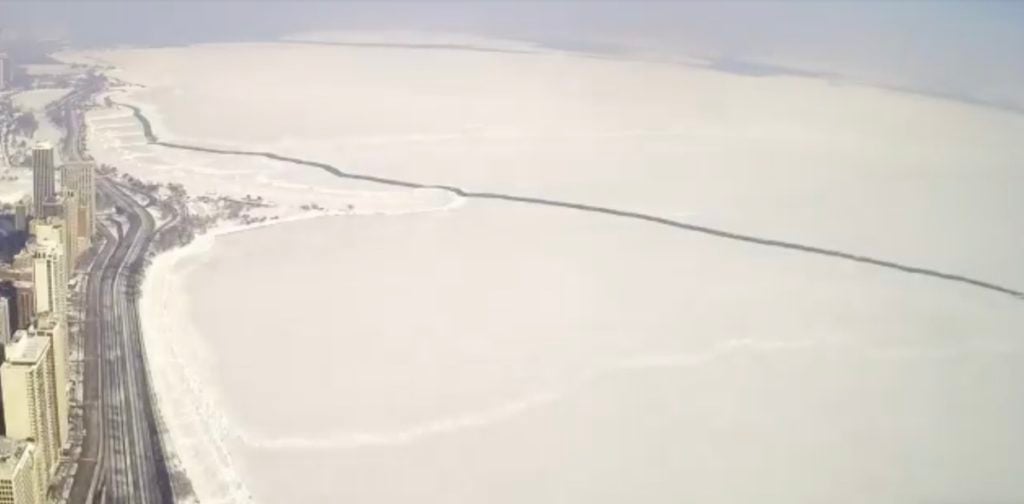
{"points": [[135, 470], [122, 458]]}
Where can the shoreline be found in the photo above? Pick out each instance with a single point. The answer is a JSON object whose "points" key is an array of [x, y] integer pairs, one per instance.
{"points": [[195, 431]]}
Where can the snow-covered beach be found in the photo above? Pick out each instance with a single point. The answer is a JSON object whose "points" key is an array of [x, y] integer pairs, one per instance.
{"points": [[414, 345]]}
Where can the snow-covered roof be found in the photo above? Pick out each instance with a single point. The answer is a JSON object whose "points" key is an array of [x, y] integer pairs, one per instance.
{"points": [[11, 452], [25, 349]]}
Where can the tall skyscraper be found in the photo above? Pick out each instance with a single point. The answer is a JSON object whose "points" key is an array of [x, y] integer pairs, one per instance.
{"points": [[49, 278], [53, 327], [4, 63], [24, 304], [71, 229], [17, 472], [80, 177], [52, 207], [43, 186], [5, 321], [21, 215], [9, 292], [50, 231], [30, 404]]}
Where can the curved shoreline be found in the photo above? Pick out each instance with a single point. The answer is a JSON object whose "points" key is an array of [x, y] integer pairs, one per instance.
{"points": [[196, 431]]}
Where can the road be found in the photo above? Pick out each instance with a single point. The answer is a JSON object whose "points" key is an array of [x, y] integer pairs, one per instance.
{"points": [[122, 459]]}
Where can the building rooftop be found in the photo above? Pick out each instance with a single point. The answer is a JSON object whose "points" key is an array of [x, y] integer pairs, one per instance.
{"points": [[11, 453], [48, 248], [46, 321], [16, 271], [43, 145], [26, 350]]}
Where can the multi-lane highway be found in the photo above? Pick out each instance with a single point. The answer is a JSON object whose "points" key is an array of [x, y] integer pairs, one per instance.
{"points": [[134, 464], [122, 459]]}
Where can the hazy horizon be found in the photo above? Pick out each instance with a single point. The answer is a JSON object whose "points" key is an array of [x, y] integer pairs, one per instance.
{"points": [[967, 51]]}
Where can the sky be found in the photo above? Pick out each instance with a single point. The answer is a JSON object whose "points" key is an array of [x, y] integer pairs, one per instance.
{"points": [[965, 50]]}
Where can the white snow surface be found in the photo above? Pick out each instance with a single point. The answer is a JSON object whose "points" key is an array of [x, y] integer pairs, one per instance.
{"points": [[16, 182], [415, 346], [117, 138], [36, 101], [51, 69], [412, 38]]}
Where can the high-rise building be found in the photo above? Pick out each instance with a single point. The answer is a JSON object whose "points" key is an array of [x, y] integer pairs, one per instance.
{"points": [[49, 278], [43, 186], [54, 328], [22, 262], [9, 292], [17, 472], [5, 321], [49, 231], [4, 63], [71, 229], [21, 215], [30, 403], [52, 207], [80, 177], [24, 304]]}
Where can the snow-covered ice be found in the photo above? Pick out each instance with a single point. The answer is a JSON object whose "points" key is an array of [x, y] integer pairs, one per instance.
{"points": [[415, 345], [790, 157]]}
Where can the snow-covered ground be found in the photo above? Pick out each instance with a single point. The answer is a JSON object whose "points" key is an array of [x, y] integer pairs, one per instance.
{"points": [[36, 101], [16, 182], [418, 346], [117, 138], [51, 69]]}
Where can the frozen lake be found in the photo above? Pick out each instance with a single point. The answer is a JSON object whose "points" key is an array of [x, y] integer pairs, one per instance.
{"points": [[504, 353], [497, 351]]}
